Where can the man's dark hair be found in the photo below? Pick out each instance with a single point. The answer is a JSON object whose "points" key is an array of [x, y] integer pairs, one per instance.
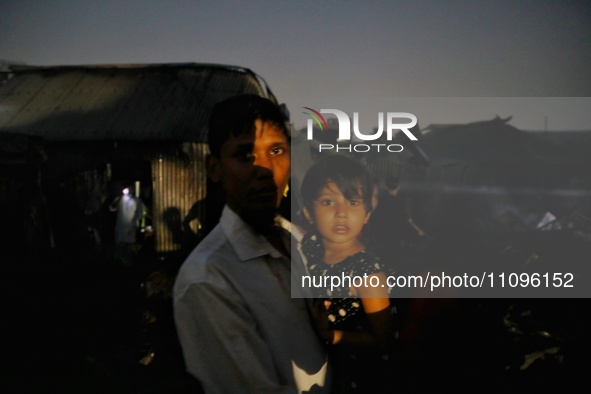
{"points": [[351, 177], [236, 115]]}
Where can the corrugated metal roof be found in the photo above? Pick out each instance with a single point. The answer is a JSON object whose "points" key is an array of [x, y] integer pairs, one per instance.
{"points": [[121, 102]]}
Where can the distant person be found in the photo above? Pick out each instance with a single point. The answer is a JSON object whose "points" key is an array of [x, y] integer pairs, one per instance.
{"points": [[239, 328], [130, 211], [355, 319]]}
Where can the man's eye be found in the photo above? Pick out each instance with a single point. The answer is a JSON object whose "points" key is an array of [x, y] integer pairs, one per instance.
{"points": [[245, 156], [277, 151]]}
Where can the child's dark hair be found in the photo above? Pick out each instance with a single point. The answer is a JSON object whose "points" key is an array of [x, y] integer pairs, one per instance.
{"points": [[352, 178]]}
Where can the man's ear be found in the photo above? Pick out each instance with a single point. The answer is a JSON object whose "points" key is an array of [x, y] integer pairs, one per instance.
{"points": [[308, 216], [213, 168]]}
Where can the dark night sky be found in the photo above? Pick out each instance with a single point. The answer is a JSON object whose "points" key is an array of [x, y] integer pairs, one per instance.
{"points": [[350, 55]]}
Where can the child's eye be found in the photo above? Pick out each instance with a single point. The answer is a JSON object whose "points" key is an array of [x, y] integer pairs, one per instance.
{"points": [[354, 202], [326, 202]]}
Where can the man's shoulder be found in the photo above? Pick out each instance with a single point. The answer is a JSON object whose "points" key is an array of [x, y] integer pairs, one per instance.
{"points": [[200, 265]]}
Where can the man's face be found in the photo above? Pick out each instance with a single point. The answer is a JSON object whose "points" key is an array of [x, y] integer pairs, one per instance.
{"points": [[254, 169]]}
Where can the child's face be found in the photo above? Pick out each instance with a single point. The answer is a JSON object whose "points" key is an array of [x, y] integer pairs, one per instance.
{"points": [[337, 218]]}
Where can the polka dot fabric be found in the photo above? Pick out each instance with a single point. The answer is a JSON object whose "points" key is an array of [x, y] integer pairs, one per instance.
{"points": [[344, 304]]}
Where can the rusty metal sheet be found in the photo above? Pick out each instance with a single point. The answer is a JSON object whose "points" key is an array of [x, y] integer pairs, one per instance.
{"points": [[120, 103]]}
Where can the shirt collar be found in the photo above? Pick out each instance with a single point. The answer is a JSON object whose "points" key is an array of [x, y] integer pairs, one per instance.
{"points": [[247, 243]]}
